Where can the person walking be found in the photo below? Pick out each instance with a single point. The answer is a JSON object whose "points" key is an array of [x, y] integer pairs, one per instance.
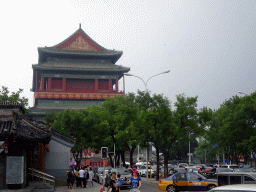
{"points": [[86, 176], [90, 177], [77, 177], [135, 181], [70, 175], [81, 177]]}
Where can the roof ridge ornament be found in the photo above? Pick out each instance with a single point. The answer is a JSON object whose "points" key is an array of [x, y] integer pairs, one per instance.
{"points": [[79, 25]]}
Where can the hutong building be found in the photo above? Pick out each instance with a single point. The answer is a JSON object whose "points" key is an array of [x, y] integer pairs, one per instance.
{"points": [[74, 74], [22, 146], [29, 149]]}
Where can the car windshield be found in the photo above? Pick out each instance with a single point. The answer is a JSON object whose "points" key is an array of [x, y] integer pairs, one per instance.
{"points": [[122, 171], [199, 175]]}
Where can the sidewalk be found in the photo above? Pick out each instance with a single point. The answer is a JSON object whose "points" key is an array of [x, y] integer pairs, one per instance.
{"points": [[95, 188]]}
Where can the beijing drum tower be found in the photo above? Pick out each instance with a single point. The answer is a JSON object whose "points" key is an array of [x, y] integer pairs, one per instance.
{"points": [[74, 74]]}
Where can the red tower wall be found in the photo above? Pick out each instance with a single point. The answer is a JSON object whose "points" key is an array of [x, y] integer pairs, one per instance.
{"points": [[80, 86], [56, 84], [103, 85]]}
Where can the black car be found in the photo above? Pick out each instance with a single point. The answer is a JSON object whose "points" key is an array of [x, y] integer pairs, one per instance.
{"points": [[213, 173]]}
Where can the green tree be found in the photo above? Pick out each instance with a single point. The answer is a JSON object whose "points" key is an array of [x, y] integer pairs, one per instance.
{"points": [[179, 150], [50, 117], [232, 127], [80, 125], [155, 124], [14, 97], [119, 112]]}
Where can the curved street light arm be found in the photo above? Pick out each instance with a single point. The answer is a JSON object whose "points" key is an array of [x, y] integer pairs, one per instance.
{"points": [[127, 74], [154, 76]]}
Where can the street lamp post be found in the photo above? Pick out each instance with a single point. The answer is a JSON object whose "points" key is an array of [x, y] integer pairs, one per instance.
{"points": [[189, 156], [146, 90], [205, 156]]}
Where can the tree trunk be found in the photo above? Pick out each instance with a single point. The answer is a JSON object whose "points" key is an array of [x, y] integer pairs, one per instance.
{"points": [[123, 158], [77, 156], [118, 159], [131, 155], [166, 163], [111, 161], [157, 162]]}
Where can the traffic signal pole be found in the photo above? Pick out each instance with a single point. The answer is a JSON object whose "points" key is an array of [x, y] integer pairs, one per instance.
{"points": [[104, 155], [104, 174]]}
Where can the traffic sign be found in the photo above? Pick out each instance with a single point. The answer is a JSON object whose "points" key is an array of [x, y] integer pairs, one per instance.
{"points": [[190, 154]]}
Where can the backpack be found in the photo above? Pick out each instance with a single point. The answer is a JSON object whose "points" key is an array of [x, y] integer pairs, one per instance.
{"points": [[77, 174]]}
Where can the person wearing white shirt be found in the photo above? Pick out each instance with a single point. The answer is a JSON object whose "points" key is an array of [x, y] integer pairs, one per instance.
{"points": [[81, 177]]}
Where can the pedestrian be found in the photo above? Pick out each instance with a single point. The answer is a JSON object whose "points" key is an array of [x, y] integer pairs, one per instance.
{"points": [[90, 177], [70, 175], [113, 185], [77, 177], [81, 177], [135, 181], [85, 177]]}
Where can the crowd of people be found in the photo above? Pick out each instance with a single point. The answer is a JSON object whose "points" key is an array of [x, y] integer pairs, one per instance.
{"points": [[79, 177]]}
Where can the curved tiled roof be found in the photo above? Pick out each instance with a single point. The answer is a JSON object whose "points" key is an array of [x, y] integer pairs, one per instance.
{"points": [[63, 48], [10, 104], [22, 129], [53, 132], [81, 66]]}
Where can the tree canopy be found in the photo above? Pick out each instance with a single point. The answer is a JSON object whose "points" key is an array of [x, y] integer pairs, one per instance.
{"points": [[14, 97]]}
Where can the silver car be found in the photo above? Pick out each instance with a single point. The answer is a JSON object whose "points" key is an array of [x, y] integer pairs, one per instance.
{"points": [[235, 188], [125, 174]]}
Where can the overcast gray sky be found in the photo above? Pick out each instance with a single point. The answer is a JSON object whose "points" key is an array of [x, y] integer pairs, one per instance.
{"points": [[208, 45]]}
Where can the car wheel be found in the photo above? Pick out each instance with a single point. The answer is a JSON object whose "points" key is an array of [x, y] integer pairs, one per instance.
{"points": [[210, 187], [171, 188]]}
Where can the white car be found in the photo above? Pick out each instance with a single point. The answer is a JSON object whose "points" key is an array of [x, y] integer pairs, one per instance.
{"points": [[236, 188], [143, 171], [142, 163], [232, 167]]}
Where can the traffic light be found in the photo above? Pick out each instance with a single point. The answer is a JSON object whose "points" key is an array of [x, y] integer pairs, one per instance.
{"points": [[104, 152]]}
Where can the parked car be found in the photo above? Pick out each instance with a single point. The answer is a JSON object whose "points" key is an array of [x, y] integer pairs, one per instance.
{"points": [[186, 182], [180, 170], [232, 167], [143, 171], [99, 174], [171, 171], [215, 171], [183, 165], [192, 169], [235, 188]]}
